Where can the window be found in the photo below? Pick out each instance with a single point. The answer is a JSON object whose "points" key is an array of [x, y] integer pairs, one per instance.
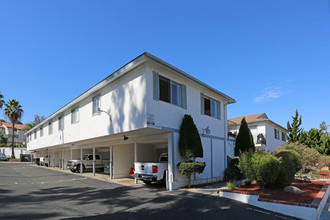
{"points": [[61, 122], [50, 127], [96, 104], [210, 107], [283, 136], [30, 137], [35, 134], [277, 133], [75, 115], [170, 91], [41, 132]]}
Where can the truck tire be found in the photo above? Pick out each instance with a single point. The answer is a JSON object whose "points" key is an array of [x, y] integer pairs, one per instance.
{"points": [[78, 169], [147, 182]]}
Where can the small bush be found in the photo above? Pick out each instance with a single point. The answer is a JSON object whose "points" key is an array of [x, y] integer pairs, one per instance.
{"points": [[286, 173], [230, 185], [324, 161], [291, 155], [232, 172], [261, 167], [247, 182], [245, 165]]}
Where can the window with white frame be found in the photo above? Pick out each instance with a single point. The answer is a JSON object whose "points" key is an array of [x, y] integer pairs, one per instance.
{"points": [[61, 122], [35, 134], [96, 104], [169, 91], [41, 132], [210, 107], [50, 127], [283, 136], [75, 115], [277, 133]]}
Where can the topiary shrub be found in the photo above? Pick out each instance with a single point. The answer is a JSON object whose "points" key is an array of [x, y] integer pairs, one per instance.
{"points": [[291, 155], [286, 173], [187, 168], [190, 147]]}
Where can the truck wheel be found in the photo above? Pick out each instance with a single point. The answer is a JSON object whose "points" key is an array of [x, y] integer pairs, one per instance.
{"points": [[78, 169], [147, 182], [72, 170]]}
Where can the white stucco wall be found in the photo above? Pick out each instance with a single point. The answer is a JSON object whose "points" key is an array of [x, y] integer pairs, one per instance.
{"points": [[124, 99]]}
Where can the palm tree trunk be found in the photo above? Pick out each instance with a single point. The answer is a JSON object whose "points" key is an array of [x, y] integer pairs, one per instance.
{"points": [[12, 143]]}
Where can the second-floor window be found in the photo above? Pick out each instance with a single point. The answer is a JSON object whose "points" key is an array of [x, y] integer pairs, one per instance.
{"points": [[75, 115], [41, 132], [61, 122], [169, 91], [35, 134], [96, 104], [210, 107], [277, 133], [283, 136], [50, 127]]}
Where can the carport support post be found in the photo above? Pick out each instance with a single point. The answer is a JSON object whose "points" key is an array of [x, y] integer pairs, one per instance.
{"points": [[53, 159], [93, 161], [48, 158], [63, 165], [135, 160], [81, 164], [110, 162], [70, 153]]}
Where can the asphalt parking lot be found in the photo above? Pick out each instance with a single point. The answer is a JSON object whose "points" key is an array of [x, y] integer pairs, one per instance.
{"points": [[31, 192]]}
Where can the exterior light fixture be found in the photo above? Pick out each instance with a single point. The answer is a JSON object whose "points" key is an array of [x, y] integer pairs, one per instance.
{"points": [[125, 138], [100, 110], [206, 130]]}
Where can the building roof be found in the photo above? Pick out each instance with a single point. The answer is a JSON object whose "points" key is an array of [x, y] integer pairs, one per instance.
{"points": [[252, 119], [10, 125], [123, 70]]}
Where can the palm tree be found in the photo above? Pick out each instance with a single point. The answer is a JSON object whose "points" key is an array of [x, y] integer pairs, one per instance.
{"points": [[1, 101], [14, 112]]}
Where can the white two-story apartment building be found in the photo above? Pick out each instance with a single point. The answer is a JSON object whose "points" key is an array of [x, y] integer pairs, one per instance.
{"points": [[267, 135], [135, 115]]}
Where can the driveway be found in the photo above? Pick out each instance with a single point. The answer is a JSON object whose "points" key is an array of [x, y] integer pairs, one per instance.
{"points": [[31, 192]]}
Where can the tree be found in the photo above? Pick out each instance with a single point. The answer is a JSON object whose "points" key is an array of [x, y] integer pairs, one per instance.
{"points": [[38, 119], [190, 147], [14, 112], [294, 131], [1, 101], [323, 126], [244, 140]]}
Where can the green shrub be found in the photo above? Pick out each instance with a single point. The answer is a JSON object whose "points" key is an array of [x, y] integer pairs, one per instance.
{"points": [[232, 172], [291, 155], [230, 185], [247, 182], [187, 168], [245, 165], [261, 167], [286, 173], [266, 168]]}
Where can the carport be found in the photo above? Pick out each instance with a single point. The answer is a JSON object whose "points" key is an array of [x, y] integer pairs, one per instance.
{"points": [[120, 150]]}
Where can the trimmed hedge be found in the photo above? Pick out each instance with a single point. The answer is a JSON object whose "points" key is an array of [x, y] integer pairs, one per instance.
{"points": [[187, 168]]}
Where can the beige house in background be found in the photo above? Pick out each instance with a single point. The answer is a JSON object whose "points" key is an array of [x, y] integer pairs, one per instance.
{"points": [[6, 129], [267, 135]]}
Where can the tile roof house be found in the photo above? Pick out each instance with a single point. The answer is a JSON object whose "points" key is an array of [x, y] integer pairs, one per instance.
{"points": [[6, 130], [267, 135]]}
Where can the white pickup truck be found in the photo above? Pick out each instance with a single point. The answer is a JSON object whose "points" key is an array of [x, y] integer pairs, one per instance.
{"points": [[44, 161], [151, 172], [87, 161]]}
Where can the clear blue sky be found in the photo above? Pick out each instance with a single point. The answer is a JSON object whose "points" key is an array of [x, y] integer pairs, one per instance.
{"points": [[271, 56]]}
